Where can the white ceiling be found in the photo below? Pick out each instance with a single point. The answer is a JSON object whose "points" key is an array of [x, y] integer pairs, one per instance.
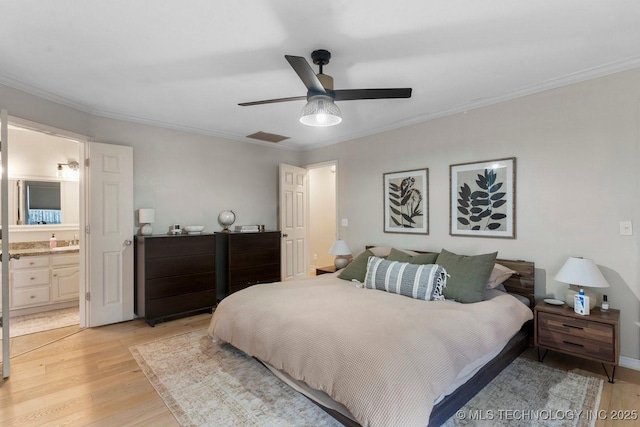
{"points": [[187, 64]]}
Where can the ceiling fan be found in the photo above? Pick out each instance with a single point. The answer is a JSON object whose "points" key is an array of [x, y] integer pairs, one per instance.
{"points": [[321, 109]]}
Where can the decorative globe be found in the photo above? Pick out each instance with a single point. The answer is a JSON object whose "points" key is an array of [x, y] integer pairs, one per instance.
{"points": [[226, 219]]}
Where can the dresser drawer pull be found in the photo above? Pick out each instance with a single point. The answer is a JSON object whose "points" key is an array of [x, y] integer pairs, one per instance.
{"points": [[572, 326], [572, 343], [32, 296]]}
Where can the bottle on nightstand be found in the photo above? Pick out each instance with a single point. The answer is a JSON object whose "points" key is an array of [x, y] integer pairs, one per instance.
{"points": [[605, 304], [581, 303]]}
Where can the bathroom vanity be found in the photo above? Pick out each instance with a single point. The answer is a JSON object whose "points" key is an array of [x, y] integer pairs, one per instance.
{"points": [[44, 279]]}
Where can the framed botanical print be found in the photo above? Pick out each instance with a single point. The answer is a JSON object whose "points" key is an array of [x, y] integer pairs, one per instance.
{"points": [[483, 199], [406, 201]]}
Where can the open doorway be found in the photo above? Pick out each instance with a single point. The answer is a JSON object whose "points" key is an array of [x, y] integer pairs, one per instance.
{"points": [[322, 214], [45, 210]]}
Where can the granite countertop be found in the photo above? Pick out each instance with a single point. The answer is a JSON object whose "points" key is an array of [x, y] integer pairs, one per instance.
{"points": [[42, 248], [46, 251]]}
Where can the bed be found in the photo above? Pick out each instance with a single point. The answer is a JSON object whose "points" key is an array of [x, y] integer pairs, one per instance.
{"points": [[376, 358]]}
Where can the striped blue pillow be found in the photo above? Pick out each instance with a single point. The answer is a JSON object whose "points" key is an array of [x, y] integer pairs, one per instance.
{"points": [[425, 281]]}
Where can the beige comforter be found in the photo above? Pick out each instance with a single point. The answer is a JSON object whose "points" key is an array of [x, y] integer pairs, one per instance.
{"points": [[386, 357]]}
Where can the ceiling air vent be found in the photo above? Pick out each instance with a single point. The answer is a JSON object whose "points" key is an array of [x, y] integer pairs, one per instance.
{"points": [[269, 137]]}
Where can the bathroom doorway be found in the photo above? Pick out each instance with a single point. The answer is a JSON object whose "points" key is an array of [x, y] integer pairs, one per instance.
{"points": [[322, 214], [45, 212]]}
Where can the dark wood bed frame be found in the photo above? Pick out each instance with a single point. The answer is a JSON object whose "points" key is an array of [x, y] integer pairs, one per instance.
{"points": [[521, 283]]}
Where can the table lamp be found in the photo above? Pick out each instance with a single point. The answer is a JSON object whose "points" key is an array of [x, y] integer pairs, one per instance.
{"points": [[146, 217], [581, 273], [340, 250]]}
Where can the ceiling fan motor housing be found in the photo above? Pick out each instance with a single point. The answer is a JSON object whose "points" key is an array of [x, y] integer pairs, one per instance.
{"points": [[321, 57]]}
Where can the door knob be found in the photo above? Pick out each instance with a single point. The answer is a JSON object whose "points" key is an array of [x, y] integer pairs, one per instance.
{"points": [[12, 256], [128, 242]]}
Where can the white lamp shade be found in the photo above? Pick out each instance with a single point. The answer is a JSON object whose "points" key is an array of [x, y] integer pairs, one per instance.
{"points": [[146, 216], [339, 248], [581, 272]]}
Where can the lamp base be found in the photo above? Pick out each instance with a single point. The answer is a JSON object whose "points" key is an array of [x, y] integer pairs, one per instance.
{"points": [[340, 262], [573, 291], [146, 230]]}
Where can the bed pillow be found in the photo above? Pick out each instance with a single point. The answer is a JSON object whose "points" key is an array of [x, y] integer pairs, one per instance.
{"points": [[499, 275], [402, 256], [468, 275], [357, 268], [385, 251], [426, 281]]}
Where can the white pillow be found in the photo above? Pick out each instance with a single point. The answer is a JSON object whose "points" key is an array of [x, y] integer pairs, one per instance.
{"points": [[499, 275]]}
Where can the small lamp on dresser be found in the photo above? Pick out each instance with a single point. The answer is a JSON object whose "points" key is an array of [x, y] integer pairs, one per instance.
{"points": [[146, 217], [581, 273], [341, 251]]}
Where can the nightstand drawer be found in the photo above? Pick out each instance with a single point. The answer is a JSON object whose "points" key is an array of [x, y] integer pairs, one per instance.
{"points": [[576, 345], [577, 328]]}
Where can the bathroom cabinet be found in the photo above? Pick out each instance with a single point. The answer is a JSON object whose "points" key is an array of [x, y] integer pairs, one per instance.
{"points": [[40, 283]]}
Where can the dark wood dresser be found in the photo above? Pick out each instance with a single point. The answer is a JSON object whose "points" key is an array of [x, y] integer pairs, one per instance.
{"points": [[175, 276], [246, 259]]}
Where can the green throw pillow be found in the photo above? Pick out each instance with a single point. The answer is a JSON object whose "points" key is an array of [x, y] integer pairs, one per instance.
{"points": [[400, 256], [357, 269], [468, 275]]}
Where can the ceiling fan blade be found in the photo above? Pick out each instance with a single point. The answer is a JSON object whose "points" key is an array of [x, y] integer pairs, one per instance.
{"points": [[353, 94], [273, 101], [306, 74]]}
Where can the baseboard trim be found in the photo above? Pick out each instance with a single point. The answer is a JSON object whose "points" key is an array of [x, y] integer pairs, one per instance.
{"points": [[629, 362]]}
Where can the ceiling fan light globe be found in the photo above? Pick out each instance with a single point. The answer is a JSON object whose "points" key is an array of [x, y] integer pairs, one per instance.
{"points": [[320, 111]]}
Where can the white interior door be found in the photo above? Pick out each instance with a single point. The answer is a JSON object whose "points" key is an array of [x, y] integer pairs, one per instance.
{"points": [[4, 222], [109, 233], [293, 221]]}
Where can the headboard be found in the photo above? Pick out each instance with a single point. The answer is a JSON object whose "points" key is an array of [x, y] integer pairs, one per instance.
{"points": [[521, 283]]}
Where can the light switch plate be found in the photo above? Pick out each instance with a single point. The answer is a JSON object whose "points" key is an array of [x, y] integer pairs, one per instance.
{"points": [[626, 228], [345, 222]]}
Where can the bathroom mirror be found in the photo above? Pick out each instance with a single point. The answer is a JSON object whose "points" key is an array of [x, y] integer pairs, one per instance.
{"points": [[34, 202]]}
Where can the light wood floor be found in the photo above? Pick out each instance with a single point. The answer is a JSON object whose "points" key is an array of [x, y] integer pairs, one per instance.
{"points": [[90, 378]]}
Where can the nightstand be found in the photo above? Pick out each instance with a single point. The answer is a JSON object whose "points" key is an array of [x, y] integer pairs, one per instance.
{"points": [[325, 270], [594, 337]]}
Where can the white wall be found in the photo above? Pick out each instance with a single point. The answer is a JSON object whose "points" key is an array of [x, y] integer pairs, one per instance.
{"points": [[578, 175], [36, 155]]}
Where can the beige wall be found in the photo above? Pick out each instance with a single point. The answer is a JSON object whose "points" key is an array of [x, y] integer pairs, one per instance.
{"points": [[36, 155], [322, 215], [578, 175], [189, 179]]}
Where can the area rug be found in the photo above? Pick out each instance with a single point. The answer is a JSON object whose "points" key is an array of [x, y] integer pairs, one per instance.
{"points": [[529, 393], [206, 384], [45, 321]]}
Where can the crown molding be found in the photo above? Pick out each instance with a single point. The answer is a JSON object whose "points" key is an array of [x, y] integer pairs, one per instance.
{"points": [[572, 78]]}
